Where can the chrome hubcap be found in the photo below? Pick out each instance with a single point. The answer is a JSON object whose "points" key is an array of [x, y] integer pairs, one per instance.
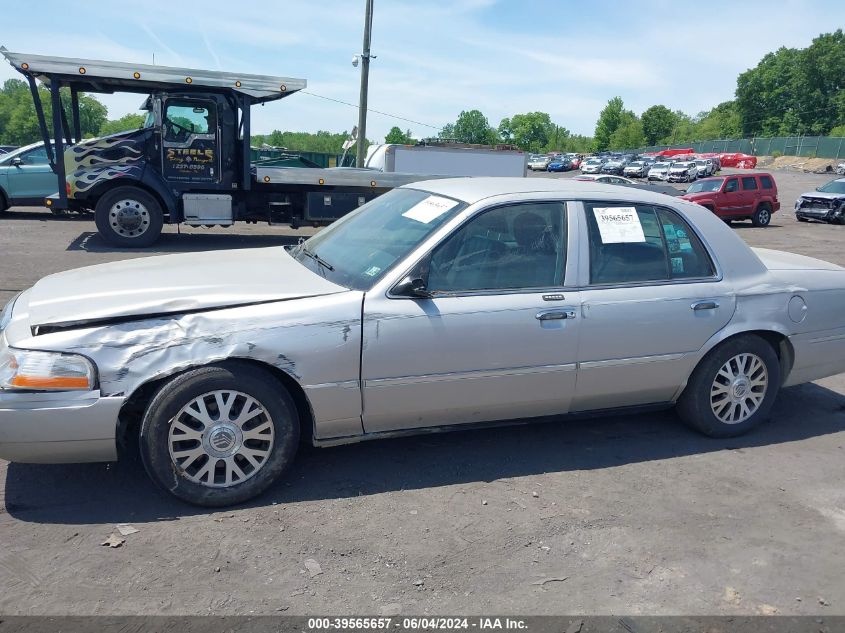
{"points": [[129, 218], [221, 438], [764, 217], [739, 388]]}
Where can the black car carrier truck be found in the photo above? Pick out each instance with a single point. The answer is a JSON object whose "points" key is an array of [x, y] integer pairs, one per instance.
{"points": [[190, 163]]}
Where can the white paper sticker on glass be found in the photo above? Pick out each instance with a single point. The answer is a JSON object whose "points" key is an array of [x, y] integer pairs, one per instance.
{"points": [[430, 209], [619, 225]]}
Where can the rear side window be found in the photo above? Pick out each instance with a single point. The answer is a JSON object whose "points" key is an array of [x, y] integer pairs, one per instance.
{"points": [[749, 183], [766, 182], [638, 243]]}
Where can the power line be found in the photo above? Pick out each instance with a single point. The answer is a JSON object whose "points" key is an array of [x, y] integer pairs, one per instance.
{"points": [[387, 114]]}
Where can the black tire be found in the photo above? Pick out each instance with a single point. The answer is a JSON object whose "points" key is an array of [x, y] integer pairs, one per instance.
{"points": [[167, 404], [694, 407], [762, 216], [143, 220], [800, 219], [4, 204]]}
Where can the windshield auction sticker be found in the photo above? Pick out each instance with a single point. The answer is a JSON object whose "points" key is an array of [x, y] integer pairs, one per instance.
{"points": [[430, 209], [619, 225]]}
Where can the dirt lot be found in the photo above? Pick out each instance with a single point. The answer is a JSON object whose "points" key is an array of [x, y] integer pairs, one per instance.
{"points": [[623, 515]]}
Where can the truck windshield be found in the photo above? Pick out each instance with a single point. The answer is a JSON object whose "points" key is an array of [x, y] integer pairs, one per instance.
{"points": [[705, 185], [357, 250]]}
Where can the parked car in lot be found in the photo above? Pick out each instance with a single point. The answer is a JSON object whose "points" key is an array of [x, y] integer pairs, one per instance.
{"points": [[741, 197], [840, 168], [682, 171], [559, 164], [540, 163], [591, 297], [826, 203], [25, 177], [574, 160], [705, 167], [614, 166], [636, 169], [658, 171], [592, 166]]}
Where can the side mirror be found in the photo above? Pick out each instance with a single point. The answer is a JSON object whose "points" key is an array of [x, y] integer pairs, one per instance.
{"points": [[412, 286], [17, 162]]}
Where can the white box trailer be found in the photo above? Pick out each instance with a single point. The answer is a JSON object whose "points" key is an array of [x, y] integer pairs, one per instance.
{"points": [[446, 161]]}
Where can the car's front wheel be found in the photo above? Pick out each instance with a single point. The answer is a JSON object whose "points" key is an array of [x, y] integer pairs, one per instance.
{"points": [[129, 216], [219, 435], [732, 389]]}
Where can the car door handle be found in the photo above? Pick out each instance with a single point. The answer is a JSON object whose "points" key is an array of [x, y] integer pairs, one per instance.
{"points": [[555, 315], [705, 305]]}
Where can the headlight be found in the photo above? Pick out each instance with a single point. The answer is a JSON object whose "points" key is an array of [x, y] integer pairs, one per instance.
{"points": [[44, 371], [6, 315]]}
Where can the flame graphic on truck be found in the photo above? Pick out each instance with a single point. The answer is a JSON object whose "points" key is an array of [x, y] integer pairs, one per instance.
{"points": [[98, 160]]}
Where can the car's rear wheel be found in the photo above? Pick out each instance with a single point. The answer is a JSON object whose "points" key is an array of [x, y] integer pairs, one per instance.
{"points": [[129, 216], [219, 435], [4, 203], [732, 389], [762, 216]]}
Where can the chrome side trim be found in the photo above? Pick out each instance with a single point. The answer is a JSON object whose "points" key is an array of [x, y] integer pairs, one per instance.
{"points": [[467, 375], [638, 360]]}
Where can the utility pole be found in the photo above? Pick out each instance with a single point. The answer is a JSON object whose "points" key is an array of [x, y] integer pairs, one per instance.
{"points": [[365, 76]]}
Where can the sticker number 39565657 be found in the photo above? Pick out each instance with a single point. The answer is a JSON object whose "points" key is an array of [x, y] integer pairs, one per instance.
{"points": [[619, 225]]}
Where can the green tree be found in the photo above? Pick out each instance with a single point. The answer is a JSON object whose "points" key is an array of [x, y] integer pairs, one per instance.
{"points": [[609, 119], [472, 127], [657, 123], [396, 135], [720, 122], [629, 133], [125, 123], [533, 132], [448, 131], [19, 123]]}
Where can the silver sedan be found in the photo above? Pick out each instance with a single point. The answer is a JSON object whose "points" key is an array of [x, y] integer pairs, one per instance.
{"points": [[441, 304]]}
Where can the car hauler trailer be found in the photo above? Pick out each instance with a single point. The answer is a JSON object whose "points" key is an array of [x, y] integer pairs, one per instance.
{"points": [[190, 163]]}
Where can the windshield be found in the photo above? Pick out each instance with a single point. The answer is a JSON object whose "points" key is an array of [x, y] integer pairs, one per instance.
{"points": [[357, 250], [636, 164], [706, 185], [834, 186]]}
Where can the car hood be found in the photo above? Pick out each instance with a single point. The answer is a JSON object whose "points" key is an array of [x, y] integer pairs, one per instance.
{"points": [[171, 284], [822, 195]]}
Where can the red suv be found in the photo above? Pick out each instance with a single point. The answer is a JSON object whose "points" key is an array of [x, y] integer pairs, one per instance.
{"points": [[737, 197]]}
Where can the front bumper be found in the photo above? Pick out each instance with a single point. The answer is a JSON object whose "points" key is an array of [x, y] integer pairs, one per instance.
{"points": [[62, 427], [677, 177]]}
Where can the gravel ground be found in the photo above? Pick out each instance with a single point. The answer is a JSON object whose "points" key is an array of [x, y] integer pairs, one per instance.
{"points": [[624, 515]]}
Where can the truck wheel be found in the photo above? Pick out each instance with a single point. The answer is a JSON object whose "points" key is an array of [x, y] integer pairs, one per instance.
{"points": [[129, 216], [219, 435], [732, 389], [762, 216]]}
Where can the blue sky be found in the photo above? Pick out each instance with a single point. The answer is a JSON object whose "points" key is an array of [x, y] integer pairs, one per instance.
{"points": [[438, 57]]}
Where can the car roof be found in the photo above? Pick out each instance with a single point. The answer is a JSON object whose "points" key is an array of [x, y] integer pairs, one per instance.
{"points": [[472, 190]]}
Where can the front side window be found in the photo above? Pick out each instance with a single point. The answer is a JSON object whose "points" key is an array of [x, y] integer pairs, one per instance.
{"points": [[749, 183], [38, 156], [520, 246], [733, 185], [639, 243], [184, 118]]}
